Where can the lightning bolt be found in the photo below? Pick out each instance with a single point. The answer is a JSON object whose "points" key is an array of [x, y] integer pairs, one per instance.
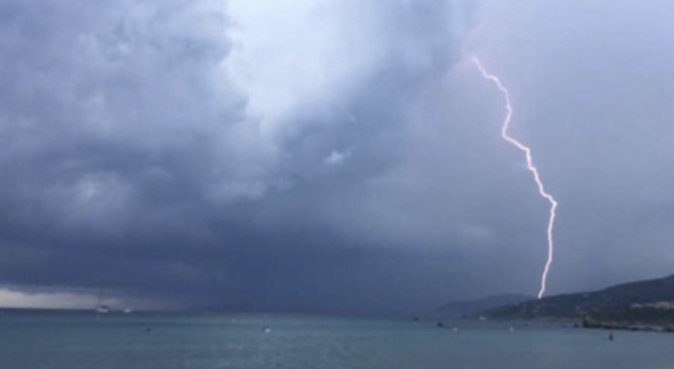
{"points": [[532, 168]]}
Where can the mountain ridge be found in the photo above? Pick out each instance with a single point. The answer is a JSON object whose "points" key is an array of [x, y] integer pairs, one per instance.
{"points": [[639, 302]]}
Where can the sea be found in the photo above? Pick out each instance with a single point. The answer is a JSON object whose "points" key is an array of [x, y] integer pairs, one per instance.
{"points": [[238, 341]]}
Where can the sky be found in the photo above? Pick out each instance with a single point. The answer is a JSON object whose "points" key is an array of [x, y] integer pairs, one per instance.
{"points": [[341, 156]]}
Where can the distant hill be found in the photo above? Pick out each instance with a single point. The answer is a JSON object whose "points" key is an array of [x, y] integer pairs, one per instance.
{"points": [[465, 308], [643, 302]]}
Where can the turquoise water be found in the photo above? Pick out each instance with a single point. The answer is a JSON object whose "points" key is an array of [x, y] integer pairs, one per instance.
{"points": [[240, 342]]}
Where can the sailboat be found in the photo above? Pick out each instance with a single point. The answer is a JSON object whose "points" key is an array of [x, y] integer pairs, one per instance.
{"points": [[100, 307]]}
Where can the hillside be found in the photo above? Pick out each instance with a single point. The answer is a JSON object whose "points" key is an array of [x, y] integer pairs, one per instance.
{"points": [[643, 302]]}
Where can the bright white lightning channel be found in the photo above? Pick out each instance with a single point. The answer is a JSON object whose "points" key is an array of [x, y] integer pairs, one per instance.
{"points": [[530, 165]]}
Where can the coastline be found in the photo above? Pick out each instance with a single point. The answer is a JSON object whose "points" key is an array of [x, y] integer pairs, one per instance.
{"points": [[627, 326]]}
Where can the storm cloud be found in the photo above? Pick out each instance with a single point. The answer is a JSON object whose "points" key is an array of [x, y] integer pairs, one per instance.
{"points": [[337, 156]]}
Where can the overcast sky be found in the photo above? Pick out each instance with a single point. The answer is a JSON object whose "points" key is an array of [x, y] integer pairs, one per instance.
{"points": [[331, 156]]}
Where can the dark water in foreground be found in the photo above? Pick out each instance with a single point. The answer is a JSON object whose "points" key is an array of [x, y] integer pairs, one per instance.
{"points": [[238, 341]]}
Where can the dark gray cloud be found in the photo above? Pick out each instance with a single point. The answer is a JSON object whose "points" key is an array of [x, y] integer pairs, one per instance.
{"points": [[339, 156], [140, 157]]}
